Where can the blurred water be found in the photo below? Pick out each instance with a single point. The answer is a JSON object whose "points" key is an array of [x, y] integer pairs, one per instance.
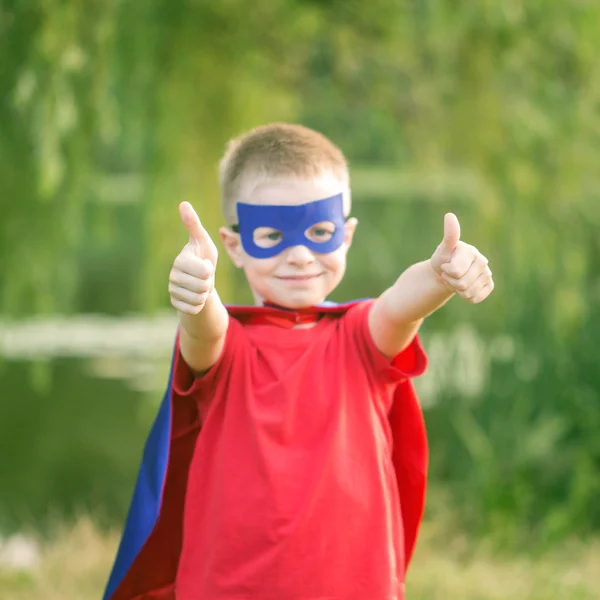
{"points": [[77, 399]]}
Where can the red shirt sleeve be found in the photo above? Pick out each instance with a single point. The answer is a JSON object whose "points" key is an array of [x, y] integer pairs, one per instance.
{"points": [[186, 384], [411, 362], [191, 395]]}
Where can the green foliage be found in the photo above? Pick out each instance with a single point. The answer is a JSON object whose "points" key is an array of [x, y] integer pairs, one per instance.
{"points": [[113, 112]]}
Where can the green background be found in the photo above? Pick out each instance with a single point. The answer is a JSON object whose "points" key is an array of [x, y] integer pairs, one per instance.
{"points": [[113, 112]]}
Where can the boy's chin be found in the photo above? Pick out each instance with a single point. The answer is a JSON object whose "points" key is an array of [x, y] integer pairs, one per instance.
{"points": [[297, 301]]}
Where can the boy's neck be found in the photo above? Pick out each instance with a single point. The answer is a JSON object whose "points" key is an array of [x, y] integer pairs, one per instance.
{"points": [[267, 304]]}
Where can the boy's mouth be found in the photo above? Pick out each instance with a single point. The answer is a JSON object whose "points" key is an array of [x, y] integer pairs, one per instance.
{"points": [[303, 277]]}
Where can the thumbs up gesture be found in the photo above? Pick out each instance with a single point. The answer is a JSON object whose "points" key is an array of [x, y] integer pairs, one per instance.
{"points": [[192, 277], [464, 269]]}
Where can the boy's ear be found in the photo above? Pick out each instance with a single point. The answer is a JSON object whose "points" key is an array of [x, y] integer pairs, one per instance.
{"points": [[350, 228], [233, 245]]}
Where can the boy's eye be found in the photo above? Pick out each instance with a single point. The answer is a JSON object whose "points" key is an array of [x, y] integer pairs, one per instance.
{"points": [[321, 232], [267, 237]]}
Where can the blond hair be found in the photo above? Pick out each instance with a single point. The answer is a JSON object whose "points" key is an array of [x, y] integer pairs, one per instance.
{"points": [[277, 150]]}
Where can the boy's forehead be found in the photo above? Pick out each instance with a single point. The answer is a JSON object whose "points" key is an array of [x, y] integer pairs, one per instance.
{"points": [[290, 191]]}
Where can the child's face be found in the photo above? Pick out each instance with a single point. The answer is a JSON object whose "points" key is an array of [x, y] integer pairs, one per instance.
{"points": [[297, 277]]}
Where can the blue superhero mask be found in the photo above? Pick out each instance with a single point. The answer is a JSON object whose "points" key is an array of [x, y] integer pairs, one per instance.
{"points": [[293, 224]]}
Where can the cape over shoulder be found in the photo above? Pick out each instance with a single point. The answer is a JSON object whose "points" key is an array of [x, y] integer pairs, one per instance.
{"points": [[146, 563]]}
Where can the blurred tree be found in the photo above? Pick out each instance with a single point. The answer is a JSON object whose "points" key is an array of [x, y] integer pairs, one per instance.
{"points": [[112, 112]]}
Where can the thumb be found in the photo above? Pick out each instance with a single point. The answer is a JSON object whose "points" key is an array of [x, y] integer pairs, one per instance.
{"points": [[192, 223], [451, 233], [200, 242]]}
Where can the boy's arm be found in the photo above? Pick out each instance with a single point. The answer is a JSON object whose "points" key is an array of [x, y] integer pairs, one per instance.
{"points": [[202, 336], [454, 268], [203, 317]]}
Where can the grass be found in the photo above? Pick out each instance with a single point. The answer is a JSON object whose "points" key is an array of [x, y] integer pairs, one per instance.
{"points": [[448, 568], [74, 566]]}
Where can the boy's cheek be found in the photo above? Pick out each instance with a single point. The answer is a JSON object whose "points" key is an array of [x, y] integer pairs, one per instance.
{"points": [[336, 260], [259, 267]]}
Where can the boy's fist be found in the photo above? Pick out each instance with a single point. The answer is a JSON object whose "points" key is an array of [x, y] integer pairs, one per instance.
{"points": [[192, 277], [461, 266]]}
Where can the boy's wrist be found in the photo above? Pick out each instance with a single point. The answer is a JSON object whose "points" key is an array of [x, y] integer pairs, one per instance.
{"points": [[417, 293], [439, 280], [206, 324], [424, 275]]}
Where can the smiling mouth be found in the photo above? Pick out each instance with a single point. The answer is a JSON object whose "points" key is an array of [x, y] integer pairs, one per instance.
{"points": [[300, 277]]}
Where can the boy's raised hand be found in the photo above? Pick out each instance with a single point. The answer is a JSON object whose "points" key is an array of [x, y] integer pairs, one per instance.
{"points": [[192, 277], [462, 266]]}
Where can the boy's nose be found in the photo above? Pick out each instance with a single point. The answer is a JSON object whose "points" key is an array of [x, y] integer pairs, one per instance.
{"points": [[300, 256]]}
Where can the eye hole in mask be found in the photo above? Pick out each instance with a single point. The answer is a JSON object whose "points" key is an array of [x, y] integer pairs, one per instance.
{"points": [[321, 232], [268, 237]]}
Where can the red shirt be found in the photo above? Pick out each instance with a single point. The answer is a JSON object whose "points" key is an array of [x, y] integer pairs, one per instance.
{"points": [[291, 492]]}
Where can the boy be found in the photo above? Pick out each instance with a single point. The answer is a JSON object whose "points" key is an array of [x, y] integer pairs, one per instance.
{"points": [[288, 460]]}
